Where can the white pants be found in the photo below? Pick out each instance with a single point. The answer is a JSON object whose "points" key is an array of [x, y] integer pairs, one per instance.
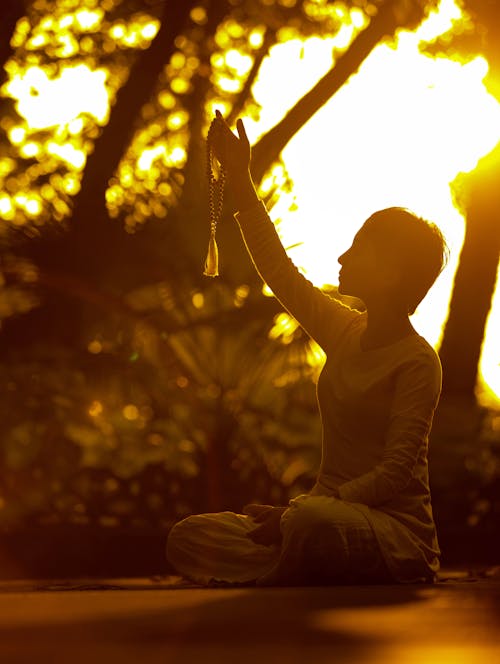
{"points": [[325, 541]]}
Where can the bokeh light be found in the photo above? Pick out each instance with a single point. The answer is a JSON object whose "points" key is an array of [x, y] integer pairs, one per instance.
{"points": [[397, 133]]}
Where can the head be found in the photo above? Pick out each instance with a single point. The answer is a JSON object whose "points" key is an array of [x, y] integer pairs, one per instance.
{"points": [[397, 255]]}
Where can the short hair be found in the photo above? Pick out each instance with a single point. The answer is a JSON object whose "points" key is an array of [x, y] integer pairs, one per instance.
{"points": [[419, 246]]}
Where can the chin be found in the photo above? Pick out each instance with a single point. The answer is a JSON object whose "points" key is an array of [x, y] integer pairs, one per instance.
{"points": [[341, 288]]}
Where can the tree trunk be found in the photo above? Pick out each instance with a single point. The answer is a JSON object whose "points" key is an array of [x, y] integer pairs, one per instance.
{"points": [[93, 243], [116, 136], [474, 281]]}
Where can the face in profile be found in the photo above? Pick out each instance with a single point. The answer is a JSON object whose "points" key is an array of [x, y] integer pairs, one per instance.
{"points": [[395, 258], [367, 268]]}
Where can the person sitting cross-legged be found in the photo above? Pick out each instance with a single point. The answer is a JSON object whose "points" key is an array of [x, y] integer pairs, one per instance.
{"points": [[368, 518]]}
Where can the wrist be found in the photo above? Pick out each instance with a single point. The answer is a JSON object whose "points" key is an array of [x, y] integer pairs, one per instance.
{"points": [[245, 195]]}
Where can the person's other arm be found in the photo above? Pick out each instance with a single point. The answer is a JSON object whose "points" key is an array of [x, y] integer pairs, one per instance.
{"points": [[416, 395]]}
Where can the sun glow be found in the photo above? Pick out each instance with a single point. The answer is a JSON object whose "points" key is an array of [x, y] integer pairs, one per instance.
{"points": [[397, 133], [49, 102]]}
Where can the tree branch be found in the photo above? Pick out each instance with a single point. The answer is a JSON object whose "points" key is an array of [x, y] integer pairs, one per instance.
{"points": [[270, 146], [269, 39], [110, 146]]}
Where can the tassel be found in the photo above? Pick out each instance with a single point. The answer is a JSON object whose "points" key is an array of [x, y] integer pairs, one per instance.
{"points": [[212, 261], [215, 202]]}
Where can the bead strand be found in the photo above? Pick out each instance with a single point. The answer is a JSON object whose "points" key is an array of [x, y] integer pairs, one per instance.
{"points": [[215, 205]]}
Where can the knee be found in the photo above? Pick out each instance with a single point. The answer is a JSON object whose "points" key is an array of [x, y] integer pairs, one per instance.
{"points": [[313, 520], [308, 519], [311, 528]]}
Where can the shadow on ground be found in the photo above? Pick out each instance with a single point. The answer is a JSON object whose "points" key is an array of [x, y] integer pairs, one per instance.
{"points": [[354, 624]]}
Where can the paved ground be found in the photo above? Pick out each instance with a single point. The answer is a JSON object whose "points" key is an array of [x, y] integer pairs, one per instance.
{"points": [[147, 621]]}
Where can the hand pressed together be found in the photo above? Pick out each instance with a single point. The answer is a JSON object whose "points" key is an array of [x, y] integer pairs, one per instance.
{"points": [[268, 518], [233, 152]]}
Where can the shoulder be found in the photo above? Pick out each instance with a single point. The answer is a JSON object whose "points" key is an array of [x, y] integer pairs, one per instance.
{"points": [[421, 367], [341, 323], [423, 354]]}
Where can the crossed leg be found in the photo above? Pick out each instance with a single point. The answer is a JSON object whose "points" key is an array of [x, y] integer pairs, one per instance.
{"points": [[325, 541]]}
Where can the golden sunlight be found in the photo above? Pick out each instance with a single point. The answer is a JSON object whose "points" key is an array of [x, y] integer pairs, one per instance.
{"points": [[397, 133], [44, 101], [62, 102]]}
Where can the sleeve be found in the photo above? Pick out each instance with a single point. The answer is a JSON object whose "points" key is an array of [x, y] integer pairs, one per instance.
{"points": [[321, 316], [416, 394]]}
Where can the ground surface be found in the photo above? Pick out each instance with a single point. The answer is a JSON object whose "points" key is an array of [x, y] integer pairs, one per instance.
{"points": [[145, 621]]}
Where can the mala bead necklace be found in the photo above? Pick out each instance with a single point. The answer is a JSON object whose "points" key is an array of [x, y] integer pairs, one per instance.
{"points": [[215, 202]]}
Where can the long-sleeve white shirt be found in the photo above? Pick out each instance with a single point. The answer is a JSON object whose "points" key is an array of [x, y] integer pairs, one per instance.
{"points": [[376, 409]]}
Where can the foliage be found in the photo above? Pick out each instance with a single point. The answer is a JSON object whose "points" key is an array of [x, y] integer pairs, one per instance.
{"points": [[132, 391], [92, 47], [133, 364], [465, 471], [82, 433]]}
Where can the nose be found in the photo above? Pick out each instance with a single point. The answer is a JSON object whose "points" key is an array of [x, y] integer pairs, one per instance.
{"points": [[340, 259]]}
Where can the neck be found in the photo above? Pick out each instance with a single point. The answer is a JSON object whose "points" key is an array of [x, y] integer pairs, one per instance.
{"points": [[386, 324]]}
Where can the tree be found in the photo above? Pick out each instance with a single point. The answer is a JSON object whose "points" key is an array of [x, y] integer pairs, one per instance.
{"points": [[479, 195], [79, 259], [124, 274]]}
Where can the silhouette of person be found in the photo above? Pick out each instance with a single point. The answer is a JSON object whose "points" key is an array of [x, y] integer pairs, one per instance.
{"points": [[368, 517]]}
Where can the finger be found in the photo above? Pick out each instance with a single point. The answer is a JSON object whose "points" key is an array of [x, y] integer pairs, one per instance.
{"points": [[240, 128], [220, 121], [223, 130]]}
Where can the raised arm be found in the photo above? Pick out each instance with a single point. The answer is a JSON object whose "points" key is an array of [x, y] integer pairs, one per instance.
{"points": [[323, 317]]}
